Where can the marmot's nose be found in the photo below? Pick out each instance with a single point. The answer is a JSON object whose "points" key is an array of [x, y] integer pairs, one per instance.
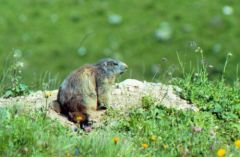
{"points": [[125, 65]]}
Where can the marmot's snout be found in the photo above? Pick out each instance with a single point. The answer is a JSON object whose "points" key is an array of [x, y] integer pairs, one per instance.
{"points": [[123, 67]]}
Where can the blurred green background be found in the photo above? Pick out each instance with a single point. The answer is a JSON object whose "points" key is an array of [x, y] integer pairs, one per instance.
{"points": [[60, 35]]}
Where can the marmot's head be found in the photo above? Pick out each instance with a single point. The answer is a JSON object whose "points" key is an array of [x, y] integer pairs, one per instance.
{"points": [[111, 66]]}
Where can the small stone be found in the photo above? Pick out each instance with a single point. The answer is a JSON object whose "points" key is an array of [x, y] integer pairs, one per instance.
{"points": [[117, 92], [131, 82]]}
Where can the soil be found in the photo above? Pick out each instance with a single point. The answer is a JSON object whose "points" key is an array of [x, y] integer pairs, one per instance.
{"points": [[124, 95]]}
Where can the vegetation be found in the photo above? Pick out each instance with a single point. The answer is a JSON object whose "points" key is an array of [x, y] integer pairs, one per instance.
{"points": [[46, 35], [11, 80], [51, 34], [170, 132], [32, 134], [150, 130]]}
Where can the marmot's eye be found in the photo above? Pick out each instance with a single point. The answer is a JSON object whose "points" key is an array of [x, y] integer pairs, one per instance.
{"points": [[112, 63]]}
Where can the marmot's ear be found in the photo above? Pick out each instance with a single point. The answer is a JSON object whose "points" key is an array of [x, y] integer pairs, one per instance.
{"points": [[104, 63]]}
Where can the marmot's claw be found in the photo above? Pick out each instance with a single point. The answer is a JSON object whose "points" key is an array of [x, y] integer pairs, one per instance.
{"points": [[87, 128]]}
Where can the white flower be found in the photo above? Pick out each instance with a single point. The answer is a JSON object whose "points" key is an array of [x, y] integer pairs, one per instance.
{"points": [[210, 66], [227, 10], [19, 64], [229, 54], [199, 49], [114, 19], [164, 32]]}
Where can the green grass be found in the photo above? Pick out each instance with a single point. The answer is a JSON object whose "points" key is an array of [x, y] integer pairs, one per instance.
{"points": [[31, 134], [57, 36], [176, 133], [165, 131], [179, 133], [50, 33]]}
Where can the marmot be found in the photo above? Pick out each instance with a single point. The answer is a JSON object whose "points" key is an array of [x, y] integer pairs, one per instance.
{"points": [[87, 88]]}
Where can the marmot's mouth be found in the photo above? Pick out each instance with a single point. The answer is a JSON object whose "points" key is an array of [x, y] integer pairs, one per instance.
{"points": [[123, 71]]}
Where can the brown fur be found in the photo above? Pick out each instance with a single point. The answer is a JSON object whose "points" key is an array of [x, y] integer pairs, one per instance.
{"points": [[87, 88]]}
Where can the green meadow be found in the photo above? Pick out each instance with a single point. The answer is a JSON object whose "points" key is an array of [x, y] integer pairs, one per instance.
{"points": [[58, 36], [191, 44]]}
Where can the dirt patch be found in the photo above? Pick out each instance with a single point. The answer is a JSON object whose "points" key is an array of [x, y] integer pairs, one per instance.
{"points": [[124, 95]]}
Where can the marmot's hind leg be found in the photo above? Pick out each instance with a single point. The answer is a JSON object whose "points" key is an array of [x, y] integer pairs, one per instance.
{"points": [[81, 118]]}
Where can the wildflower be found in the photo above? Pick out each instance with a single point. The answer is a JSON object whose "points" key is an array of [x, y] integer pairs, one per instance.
{"points": [[47, 94], [79, 118], [153, 138], [144, 145], [164, 32], [68, 154], [165, 146], [229, 54], [115, 140], [227, 10], [210, 66], [237, 143], [19, 64], [199, 49], [221, 152], [115, 19]]}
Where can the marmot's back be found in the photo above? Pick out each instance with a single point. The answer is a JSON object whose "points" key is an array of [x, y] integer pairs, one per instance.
{"points": [[87, 88], [79, 84]]}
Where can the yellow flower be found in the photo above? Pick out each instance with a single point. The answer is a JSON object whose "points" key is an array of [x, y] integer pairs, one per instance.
{"points": [[237, 143], [165, 146], [221, 152], [79, 118], [153, 138], [68, 154], [115, 140], [47, 94], [144, 145]]}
